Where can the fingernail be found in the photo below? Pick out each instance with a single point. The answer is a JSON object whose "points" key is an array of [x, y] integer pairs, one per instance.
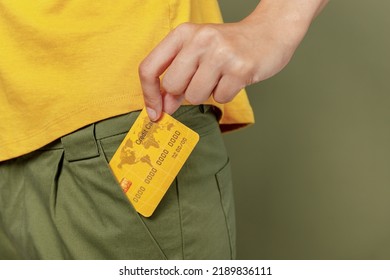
{"points": [[152, 113]]}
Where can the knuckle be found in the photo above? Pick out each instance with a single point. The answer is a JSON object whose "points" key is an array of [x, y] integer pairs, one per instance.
{"points": [[226, 54], [240, 66], [206, 35], [170, 87], [184, 28], [144, 71], [152, 101], [242, 70]]}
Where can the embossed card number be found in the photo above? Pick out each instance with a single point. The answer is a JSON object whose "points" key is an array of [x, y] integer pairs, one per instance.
{"points": [[150, 157]]}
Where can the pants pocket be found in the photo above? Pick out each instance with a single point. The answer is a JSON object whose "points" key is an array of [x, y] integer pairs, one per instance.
{"points": [[163, 226], [205, 194], [225, 187], [93, 217]]}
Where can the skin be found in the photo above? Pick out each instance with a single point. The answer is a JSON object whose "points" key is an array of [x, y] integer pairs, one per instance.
{"points": [[200, 60]]}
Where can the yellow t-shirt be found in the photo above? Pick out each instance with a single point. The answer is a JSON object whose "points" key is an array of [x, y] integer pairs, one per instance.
{"points": [[67, 63]]}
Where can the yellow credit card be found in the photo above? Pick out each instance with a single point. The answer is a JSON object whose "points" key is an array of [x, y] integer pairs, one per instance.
{"points": [[150, 157]]}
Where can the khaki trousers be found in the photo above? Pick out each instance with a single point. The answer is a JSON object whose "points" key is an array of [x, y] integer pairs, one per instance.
{"points": [[62, 201]]}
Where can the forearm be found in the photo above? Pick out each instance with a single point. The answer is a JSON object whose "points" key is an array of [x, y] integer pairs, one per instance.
{"points": [[302, 10], [290, 17], [200, 60]]}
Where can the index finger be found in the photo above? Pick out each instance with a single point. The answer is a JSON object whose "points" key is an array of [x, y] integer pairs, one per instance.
{"points": [[152, 67]]}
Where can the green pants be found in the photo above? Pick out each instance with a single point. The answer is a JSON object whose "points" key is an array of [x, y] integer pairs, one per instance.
{"points": [[62, 201]]}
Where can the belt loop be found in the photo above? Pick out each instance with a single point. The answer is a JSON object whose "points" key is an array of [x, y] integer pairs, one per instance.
{"points": [[204, 108], [80, 144]]}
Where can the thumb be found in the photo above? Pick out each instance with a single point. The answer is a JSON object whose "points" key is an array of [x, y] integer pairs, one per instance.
{"points": [[172, 103]]}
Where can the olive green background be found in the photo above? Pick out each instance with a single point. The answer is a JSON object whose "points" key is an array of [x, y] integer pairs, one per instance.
{"points": [[312, 176]]}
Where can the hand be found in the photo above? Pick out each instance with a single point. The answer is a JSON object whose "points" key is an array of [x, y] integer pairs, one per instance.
{"points": [[215, 59]]}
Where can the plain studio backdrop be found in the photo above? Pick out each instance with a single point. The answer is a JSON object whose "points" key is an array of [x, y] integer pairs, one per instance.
{"points": [[312, 176]]}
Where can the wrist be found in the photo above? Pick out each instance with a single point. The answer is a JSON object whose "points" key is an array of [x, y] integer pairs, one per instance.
{"points": [[286, 21]]}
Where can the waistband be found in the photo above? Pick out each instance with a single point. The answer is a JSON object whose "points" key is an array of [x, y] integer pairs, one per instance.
{"points": [[82, 144]]}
